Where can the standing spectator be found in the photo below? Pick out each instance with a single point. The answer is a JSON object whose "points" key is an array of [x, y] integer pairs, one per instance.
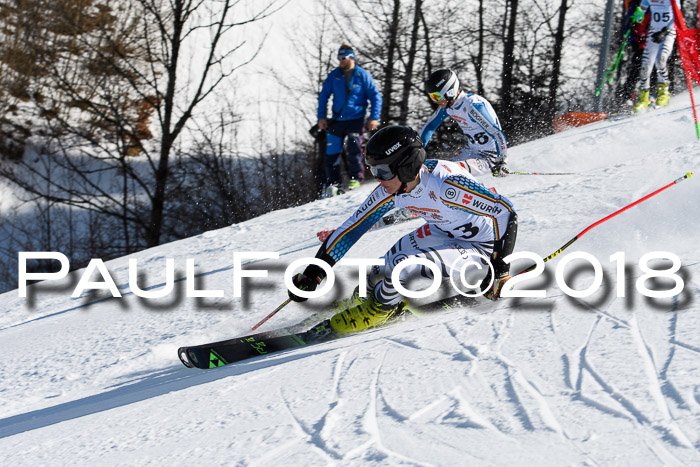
{"points": [[662, 35], [486, 148], [352, 88]]}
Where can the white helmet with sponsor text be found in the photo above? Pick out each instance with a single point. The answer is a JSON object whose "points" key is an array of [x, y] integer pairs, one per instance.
{"points": [[442, 84]]}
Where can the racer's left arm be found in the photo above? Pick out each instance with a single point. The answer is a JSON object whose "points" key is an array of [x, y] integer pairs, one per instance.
{"points": [[479, 113]]}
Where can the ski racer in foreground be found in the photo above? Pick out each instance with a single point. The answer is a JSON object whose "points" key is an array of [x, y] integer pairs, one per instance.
{"points": [[463, 219], [487, 148]]}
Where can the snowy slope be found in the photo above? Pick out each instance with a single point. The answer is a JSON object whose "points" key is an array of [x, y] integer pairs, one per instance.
{"points": [[542, 381]]}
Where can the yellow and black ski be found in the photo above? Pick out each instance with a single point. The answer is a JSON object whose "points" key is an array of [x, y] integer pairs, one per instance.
{"points": [[216, 354]]}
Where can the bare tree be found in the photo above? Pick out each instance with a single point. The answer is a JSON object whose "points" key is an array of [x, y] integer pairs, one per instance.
{"points": [[128, 74], [478, 59], [388, 86], [302, 87], [408, 75], [556, 58], [508, 59], [426, 34], [173, 27]]}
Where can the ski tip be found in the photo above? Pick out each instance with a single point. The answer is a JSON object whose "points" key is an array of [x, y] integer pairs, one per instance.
{"points": [[182, 353], [689, 174]]}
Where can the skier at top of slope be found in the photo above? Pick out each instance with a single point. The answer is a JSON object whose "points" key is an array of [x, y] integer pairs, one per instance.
{"points": [[487, 148], [463, 219]]}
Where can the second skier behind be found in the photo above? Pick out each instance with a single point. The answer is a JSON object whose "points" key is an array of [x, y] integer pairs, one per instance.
{"points": [[464, 222], [486, 148], [659, 45]]}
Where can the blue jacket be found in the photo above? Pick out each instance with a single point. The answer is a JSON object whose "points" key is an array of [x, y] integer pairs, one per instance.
{"points": [[362, 89]]}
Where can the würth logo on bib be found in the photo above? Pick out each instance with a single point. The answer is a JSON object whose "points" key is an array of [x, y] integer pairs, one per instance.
{"points": [[423, 231]]}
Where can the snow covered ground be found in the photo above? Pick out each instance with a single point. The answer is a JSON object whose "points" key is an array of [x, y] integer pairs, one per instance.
{"points": [[603, 380]]}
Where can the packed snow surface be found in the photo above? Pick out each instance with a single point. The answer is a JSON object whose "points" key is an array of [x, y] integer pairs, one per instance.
{"points": [[609, 379]]}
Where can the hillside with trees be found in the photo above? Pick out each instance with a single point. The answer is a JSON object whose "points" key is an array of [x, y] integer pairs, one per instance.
{"points": [[122, 124]]}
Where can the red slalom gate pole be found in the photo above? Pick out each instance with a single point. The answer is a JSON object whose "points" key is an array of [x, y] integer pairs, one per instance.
{"points": [[541, 173], [566, 245], [584, 231], [692, 102]]}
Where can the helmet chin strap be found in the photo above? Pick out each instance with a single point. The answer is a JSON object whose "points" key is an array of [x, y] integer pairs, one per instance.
{"points": [[404, 186]]}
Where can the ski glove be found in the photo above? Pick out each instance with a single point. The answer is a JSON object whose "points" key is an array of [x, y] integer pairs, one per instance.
{"points": [[659, 36], [307, 281], [500, 169], [637, 16]]}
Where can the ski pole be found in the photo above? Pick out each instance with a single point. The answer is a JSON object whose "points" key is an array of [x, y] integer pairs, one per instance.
{"points": [[286, 302], [614, 64], [541, 173], [581, 234], [619, 56]]}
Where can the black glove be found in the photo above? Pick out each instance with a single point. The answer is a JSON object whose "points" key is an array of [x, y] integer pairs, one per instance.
{"points": [[500, 169], [317, 132], [659, 36], [307, 281]]}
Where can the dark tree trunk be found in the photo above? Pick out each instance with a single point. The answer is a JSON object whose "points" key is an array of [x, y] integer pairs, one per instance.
{"points": [[155, 227], [389, 68], [508, 62], [478, 61], [426, 33], [408, 77], [556, 67]]}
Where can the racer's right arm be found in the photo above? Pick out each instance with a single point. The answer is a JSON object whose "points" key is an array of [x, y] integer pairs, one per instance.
{"points": [[431, 125], [370, 211], [334, 247]]}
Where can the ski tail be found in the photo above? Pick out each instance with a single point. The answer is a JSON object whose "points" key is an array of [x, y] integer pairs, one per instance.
{"points": [[184, 357]]}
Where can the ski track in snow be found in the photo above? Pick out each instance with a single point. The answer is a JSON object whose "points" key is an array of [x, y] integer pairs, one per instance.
{"points": [[604, 380]]}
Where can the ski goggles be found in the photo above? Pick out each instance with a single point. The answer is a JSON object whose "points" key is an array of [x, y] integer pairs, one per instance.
{"points": [[436, 96], [382, 172], [345, 53]]}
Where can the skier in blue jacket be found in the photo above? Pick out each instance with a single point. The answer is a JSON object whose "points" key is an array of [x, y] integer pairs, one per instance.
{"points": [[352, 88]]}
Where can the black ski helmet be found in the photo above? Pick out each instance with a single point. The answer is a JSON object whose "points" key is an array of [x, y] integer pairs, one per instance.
{"points": [[442, 84], [395, 150]]}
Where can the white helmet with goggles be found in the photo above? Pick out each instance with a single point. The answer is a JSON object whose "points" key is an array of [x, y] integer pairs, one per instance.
{"points": [[442, 84]]}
